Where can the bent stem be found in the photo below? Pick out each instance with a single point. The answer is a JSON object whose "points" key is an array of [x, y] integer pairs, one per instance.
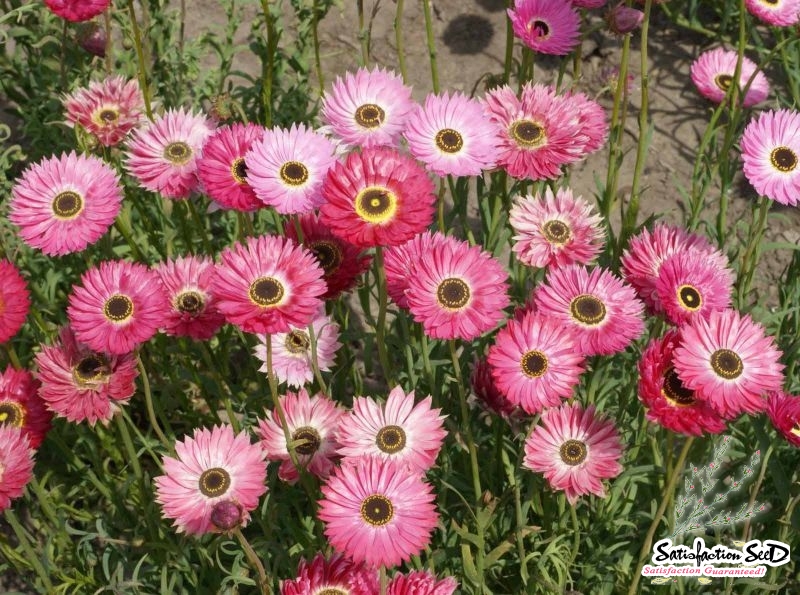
{"points": [[128, 443], [148, 399], [30, 555], [252, 557]]}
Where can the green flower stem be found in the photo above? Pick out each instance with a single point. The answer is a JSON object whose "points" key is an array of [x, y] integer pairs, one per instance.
{"points": [[363, 33], [752, 250], [756, 488], [440, 207], [148, 399], [268, 68], [668, 489], [263, 582], [426, 10], [137, 40], [30, 554], [12, 356], [315, 39], [426, 365], [576, 536], [128, 443], [44, 500], [211, 364], [123, 227], [200, 226], [398, 37], [315, 360], [107, 24], [380, 325], [508, 60], [384, 580]]}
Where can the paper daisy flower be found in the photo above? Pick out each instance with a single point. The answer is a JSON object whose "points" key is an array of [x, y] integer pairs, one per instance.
{"points": [[451, 136], [458, 292], [421, 582], [334, 576], [118, 306], [780, 13], [367, 108], [555, 230], [377, 197], [546, 26], [22, 407], [15, 300], [535, 362], [64, 204], [712, 74], [292, 353], [729, 361], [268, 285], [77, 11], [163, 156], [575, 450], [342, 262], [487, 394], [313, 424], [669, 403], [689, 285], [604, 312], [222, 169], [771, 155], [193, 310], [286, 168], [378, 512], [82, 385], [398, 430], [592, 119], [16, 464], [783, 410], [107, 109], [212, 467]]}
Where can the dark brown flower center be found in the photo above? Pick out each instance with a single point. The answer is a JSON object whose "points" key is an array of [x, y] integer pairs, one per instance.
{"points": [[239, 170], [297, 342], [91, 369], [783, 159], [674, 391], [723, 81], [177, 153], [391, 439], [533, 364], [118, 308], [294, 173], [328, 254], [587, 309], [573, 452], [214, 482], [453, 293], [12, 414], [370, 115], [67, 204], [266, 292], [310, 440], [556, 232], [689, 298], [189, 302], [540, 27], [449, 140], [377, 510], [528, 134], [726, 364], [376, 204], [108, 115]]}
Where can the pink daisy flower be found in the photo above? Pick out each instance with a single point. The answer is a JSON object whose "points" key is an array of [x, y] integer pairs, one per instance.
{"points": [[378, 512], [646, 252], [780, 13], [22, 407], [268, 285], [108, 109], [222, 169], [377, 197], [80, 384], [193, 310], [286, 168], [118, 306], [334, 576], [771, 155], [487, 394], [592, 119], [712, 74], [368, 108], [555, 230], [535, 362], [689, 285], [451, 136], [783, 410], [292, 353], [575, 450], [15, 300], [16, 464], [163, 156], [546, 26], [409, 434], [64, 204], [342, 262], [729, 361], [603, 311], [213, 467], [313, 424], [458, 292], [77, 10], [669, 403], [421, 582]]}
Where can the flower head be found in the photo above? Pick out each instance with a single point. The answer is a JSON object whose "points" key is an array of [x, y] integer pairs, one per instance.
{"points": [[421, 582], [15, 300], [689, 285], [336, 575], [712, 74], [546, 26], [771, 155], [783, 410], [108, 109], [16, 464], [780, 13], [22, 407], [77, 10]]}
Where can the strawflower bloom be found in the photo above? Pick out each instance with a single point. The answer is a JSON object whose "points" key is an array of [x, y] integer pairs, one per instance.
{"points": [[669, 403], [623, 19], [368, 108], [286, 168], [535, 362], [421, 582], [15, 300], [77, 10], [575, 450], [118, 306], [487, 394], [458, 291], [729, 361], [780, 13], [555, 230], [771, 155], [332, 576], [689, 285], [712, 74], [192, 306], [268, 285], [108, 109], [16, 464], [211, 467], [546, 26], [451, 136], [783, 410], [377, 197], [222, 169], [163, 156], [592, 120], [82, 385], [64, 204], [22, 407], [378, 512], [398, 430]]}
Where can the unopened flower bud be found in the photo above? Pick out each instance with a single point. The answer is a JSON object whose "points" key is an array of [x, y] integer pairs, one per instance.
{"points": [[622, 19], [226, 515], [92, 38]]}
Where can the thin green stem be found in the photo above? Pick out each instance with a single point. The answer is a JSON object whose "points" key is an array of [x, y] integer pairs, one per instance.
{"points": [[137, 41], [508, 60], [398, 37], [107, 25], [262, 580], [363, 33], [380, 325], [426, 10], [315, 361], [268, 67], [123, 227], [315, 38], [128, 443], [384, 580], [199, 225], [615, 153], [30, 554], [148, 400], [754, 491], [12, 356], [752, 251]]}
